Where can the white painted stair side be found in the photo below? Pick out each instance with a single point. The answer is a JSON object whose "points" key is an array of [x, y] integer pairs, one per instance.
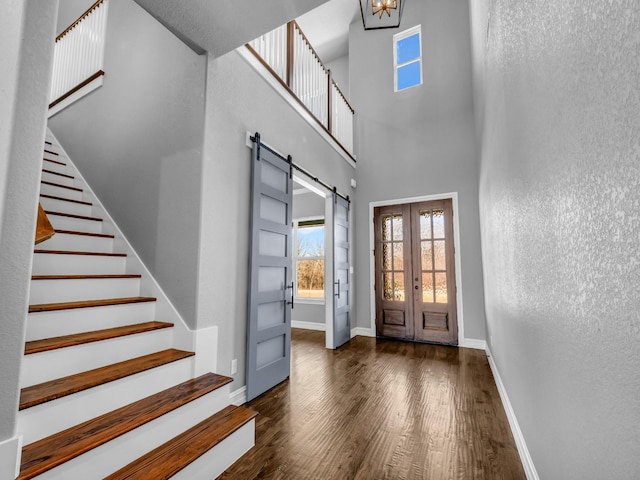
{"points": [[48, 418], [78, 289]]}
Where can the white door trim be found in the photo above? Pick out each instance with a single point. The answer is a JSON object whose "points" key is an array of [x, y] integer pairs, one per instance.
{"points": [[453, 196]]}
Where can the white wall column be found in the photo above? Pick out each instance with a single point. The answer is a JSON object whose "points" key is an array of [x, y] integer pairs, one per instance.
{"points": [[27, 30]]}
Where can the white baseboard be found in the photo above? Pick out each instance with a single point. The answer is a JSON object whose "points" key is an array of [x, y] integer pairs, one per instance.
{"points": [[525, 457], [363, 332], [473, 343], [308, 325], [10, 455], [238, 397]]}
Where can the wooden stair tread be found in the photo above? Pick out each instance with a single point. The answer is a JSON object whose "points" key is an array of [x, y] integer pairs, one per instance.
{"points": [[61, 186], [87, 234], [53, 197], [72, 215], [85, 277], [54, 343], [52, 451], [59, 174], [51, 307], [168, 459], [73, 252], [61, 387], [55, 161]]}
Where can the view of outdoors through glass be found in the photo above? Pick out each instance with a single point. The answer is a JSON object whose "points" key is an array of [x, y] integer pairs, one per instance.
{"points": [[433, 259], [393, 257], [310, 260]]}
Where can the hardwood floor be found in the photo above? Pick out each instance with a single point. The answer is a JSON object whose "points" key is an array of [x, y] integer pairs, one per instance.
{"points": [[381, 409]]}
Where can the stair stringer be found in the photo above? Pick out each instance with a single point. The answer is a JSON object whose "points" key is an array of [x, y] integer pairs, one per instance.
{"points": [[198, 341]]}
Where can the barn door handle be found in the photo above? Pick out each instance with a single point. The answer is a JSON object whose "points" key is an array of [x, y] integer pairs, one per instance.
{"points": [[287, 288], [337, 283]]}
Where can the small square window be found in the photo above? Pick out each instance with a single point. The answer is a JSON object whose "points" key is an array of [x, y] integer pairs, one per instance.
{"points": [[407, 58]]}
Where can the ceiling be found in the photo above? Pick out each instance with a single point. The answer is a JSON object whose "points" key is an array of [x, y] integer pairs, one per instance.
{"points": [[218, 27], [327, 27]]}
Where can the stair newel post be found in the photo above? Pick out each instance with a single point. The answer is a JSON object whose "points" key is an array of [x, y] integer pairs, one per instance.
{"points": [[290, 53]]}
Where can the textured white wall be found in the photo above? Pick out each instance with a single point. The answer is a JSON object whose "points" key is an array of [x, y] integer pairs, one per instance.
{"points": [[26, 35], [138, 142], [559, 101]]}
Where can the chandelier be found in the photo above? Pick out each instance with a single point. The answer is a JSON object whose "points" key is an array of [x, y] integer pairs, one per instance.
{"points": [[378, 14], [383, 6]]}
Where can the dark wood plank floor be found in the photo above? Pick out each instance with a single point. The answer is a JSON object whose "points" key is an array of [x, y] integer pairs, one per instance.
{"points": [[381, 409]]}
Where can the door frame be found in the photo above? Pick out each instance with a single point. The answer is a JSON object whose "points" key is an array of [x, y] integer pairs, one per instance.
{"points": [[453, 196], [328, 255]]}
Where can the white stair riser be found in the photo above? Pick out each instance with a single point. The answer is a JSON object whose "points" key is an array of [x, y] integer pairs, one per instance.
{"points": [[107, 458], [56, 158], [67, 322], [211, 464], [70, 290], [75, 224], [63, 264], [60, 191], [45, 366], [51, 417], [56, 167], [55, 205], [77, 243], [59, 179]]}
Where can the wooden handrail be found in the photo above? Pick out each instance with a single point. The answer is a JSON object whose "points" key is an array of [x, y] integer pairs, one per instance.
{"points": [[293, 94], [321, 63], [79, 19], [343, 97], [82, 84], [306, 40]]}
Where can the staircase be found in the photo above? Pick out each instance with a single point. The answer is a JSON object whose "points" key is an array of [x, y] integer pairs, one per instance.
{"points": [[106, 392]]}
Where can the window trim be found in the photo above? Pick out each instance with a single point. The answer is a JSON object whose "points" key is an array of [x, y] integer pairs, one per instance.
{"points": [[296, 223], [401, 36]]}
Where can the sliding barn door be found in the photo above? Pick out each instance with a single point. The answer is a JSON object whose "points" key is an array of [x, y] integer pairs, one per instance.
{"points": [[341, 284], [270, 280]]}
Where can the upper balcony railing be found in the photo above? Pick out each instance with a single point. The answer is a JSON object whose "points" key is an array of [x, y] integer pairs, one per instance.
{"points": [[288, 55], [78, 57]]}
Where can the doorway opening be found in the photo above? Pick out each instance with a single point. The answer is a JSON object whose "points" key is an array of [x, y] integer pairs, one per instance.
{"points": [[310, 244]]}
